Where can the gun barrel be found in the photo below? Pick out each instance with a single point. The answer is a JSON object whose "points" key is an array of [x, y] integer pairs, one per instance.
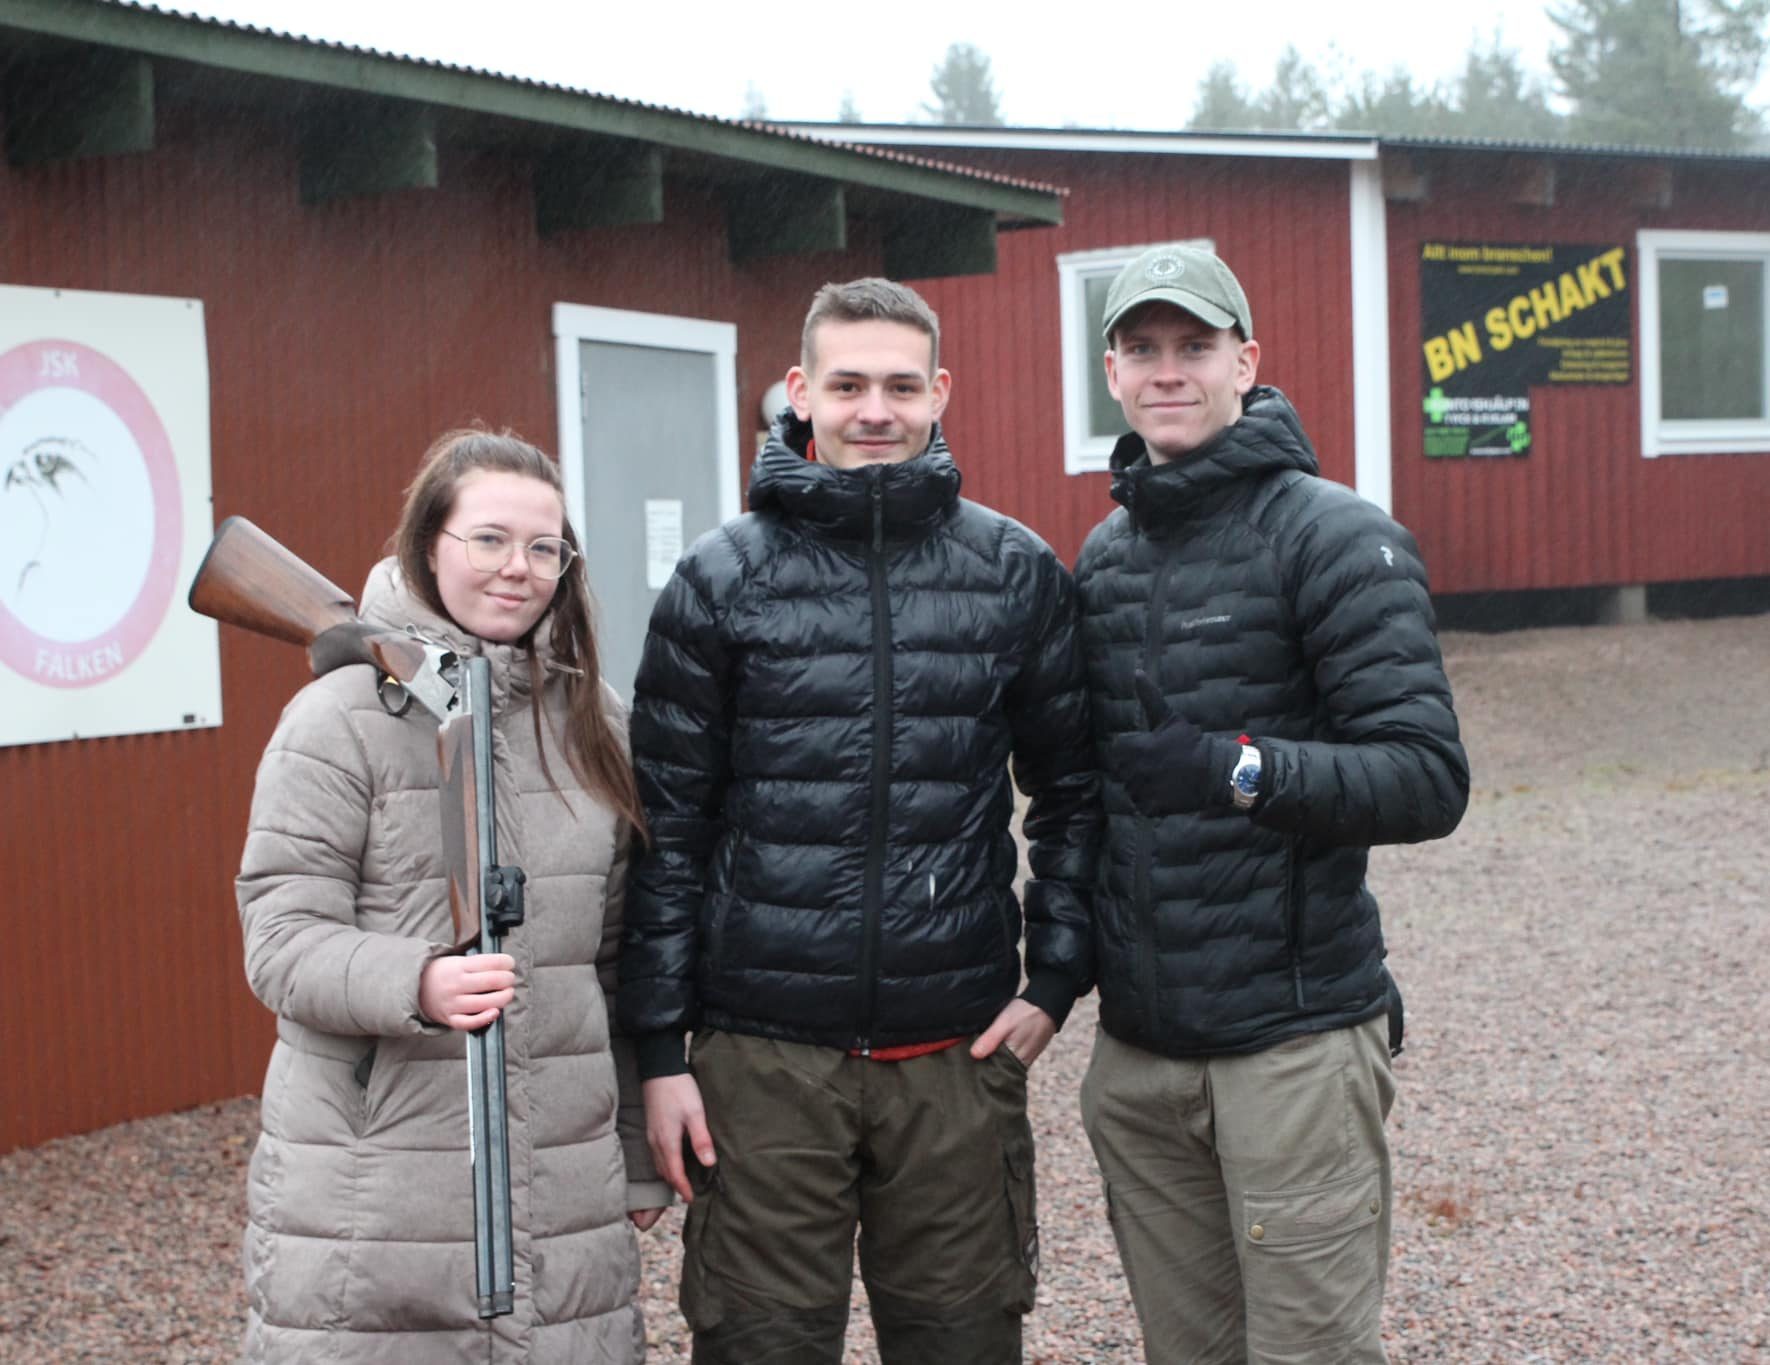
{"points": [[470, 846]]}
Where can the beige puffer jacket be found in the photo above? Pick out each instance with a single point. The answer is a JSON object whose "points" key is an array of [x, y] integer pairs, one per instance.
{"points": [[359, 1244]]}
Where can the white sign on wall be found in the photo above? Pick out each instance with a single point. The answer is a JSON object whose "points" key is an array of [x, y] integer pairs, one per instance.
{"points": [[663, 540], [104, 516]]}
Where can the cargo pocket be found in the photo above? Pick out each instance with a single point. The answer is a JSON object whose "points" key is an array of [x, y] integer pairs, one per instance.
{"points": [[702, 1307], [1023, 1205], [1311, 1263]]}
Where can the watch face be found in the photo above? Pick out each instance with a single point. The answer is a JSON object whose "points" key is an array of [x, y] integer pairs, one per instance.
{"points": [[1246, 779]]}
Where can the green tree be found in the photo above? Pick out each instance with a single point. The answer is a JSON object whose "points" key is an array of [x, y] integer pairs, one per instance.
{"points": [[1222, 103], [1664, 73], [1494, 96], [1297, 98], [963, 90], [1392, 104]]}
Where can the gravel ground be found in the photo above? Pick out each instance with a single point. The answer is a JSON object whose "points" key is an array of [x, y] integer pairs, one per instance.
{"points": [[1583, 1134]]}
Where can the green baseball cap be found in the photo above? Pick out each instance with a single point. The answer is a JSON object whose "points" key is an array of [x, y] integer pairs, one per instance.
{"points": [[1188, 277]]}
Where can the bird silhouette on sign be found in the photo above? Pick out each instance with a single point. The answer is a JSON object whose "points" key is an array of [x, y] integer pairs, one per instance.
{"points": [[46, 464]]}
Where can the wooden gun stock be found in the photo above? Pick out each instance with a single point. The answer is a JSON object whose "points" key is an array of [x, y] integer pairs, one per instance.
{"points": [[249, 579]]}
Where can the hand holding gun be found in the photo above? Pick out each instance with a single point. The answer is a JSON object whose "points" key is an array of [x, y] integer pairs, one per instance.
{"points": [[467, 993]]}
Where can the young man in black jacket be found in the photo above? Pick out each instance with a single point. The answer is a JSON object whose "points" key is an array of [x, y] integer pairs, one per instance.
{"points": [[1268, 702], [829, 697]]}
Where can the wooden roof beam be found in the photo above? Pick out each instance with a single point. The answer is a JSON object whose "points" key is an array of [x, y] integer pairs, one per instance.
{"points": [[938, 242], [1405, 180], [783, 216], [93, 102], [586, 187], [373, 147], [1653, 184], [1529, 181]]}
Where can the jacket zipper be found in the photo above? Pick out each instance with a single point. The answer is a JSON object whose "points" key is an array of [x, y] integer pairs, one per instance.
{"points": [[1145, 906], [1294, 912], [874, 893]]}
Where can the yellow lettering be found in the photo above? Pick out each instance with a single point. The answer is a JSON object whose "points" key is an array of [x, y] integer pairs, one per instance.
{"points": [[1438, 361], [1571, 298], [1499, 331], [1592, 282], [1612, 260], [1522, 326], [1546, 304], [1465, 347]]}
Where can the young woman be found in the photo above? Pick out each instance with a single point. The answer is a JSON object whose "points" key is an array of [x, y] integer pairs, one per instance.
{"points": [[359, 1244]]}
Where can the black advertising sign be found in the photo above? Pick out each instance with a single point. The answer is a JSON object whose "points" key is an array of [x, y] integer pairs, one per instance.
{"points": [[1500, 318]]}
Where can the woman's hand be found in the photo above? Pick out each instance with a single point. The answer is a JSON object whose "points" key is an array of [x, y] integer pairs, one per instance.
{"points": [[466, 992]]}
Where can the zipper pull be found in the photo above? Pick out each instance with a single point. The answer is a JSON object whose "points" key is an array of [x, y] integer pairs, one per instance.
{"points": [[876, 491]]}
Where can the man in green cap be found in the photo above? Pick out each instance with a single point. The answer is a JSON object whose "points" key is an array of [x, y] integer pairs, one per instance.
{"points": [[1268, 702]]}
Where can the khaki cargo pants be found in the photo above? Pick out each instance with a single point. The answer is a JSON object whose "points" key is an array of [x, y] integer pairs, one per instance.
{"points": [[1250, 1195], [931, 1158]]}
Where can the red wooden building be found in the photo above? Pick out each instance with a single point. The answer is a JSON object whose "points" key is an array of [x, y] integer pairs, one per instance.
{"points": [[378, 249], [1645, 456]]}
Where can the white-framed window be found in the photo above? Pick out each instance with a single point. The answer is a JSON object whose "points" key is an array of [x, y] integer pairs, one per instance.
{"points": [[1092, 419], [1705, 341]]}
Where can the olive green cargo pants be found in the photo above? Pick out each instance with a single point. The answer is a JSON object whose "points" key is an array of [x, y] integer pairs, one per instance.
{"points": [[1250, 1195], [931, 1158]]}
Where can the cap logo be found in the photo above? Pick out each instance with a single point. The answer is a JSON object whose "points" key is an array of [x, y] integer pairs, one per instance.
{"points": [[1165, 268]]}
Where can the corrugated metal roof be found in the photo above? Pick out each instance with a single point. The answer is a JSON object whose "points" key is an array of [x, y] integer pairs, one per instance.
{"points": [[1308, 145], [762, 128], [1349, 144], [1493, 144]]}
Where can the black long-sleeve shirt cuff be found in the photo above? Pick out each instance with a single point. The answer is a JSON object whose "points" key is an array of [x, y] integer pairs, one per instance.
{"points": [[1052, 992], [660, 1054]]}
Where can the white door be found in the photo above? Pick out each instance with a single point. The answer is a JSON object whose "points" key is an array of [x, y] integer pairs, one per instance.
{"points": [[649, 450]]}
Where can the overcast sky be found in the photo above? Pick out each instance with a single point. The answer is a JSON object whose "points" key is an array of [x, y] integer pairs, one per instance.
{"points": [[1128, 67]]}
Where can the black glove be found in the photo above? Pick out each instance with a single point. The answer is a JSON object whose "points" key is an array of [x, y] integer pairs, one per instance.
{"points": [[1173, 766]]}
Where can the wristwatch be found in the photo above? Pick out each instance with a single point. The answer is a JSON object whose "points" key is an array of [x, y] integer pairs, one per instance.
{"points": [[1244, 779]]}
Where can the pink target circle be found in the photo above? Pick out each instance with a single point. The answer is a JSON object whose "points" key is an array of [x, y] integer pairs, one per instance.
{"points": [[46, 364]]}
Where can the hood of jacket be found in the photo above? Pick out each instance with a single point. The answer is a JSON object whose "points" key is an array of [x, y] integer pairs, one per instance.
{"points": [[1269, 437], [388, 601], [916, 494]]}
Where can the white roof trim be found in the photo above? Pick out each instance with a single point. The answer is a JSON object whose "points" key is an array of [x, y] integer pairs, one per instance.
{"points": [[1080, 140]]}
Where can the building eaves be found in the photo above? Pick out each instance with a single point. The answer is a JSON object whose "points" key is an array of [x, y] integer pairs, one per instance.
{"points": [[1568, 149], [1348, 145], [247, 49], [1311, 146]]}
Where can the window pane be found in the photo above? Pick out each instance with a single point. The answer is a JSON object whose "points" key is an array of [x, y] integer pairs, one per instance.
{"points": [[1105, 417], [1711, 339]]}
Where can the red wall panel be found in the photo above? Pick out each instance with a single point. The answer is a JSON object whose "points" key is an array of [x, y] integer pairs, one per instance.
{"points": [[1282, 225], [342, 338], [1583, 508]]}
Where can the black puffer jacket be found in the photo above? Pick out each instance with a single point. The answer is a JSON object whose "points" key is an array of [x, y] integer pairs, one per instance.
{"points": [[1261, 599], [822, 726]]}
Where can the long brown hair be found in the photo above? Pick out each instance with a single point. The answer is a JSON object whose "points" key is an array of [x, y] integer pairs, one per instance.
{"points": [[593, 746]]}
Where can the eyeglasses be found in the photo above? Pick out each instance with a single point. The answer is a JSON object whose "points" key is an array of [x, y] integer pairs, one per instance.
{"points": [[489, 550]]}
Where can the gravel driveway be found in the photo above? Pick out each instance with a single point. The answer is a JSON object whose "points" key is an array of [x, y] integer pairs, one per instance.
{"points": [[1583, 1133]]}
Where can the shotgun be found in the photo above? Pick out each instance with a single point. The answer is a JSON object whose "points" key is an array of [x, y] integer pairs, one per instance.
{"points": [[248, 579]]}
